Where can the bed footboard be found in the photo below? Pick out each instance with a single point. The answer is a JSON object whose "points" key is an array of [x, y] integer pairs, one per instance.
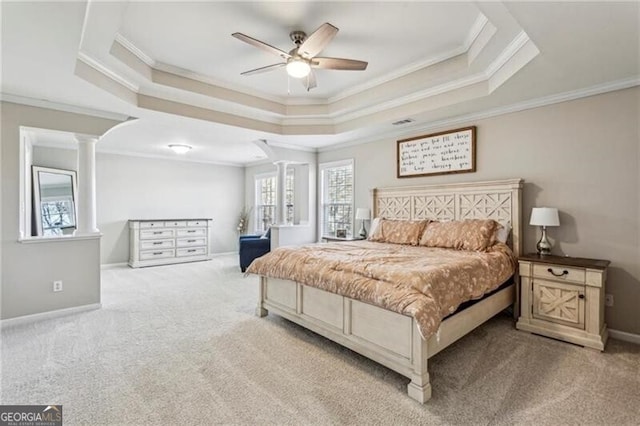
{"points": [[386, 337]]}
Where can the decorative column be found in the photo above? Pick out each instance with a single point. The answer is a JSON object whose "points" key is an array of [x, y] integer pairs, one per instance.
{"points": [[86, 197], [281, 193]]}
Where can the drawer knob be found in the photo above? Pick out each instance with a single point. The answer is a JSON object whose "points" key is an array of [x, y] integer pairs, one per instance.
{"points": [[581, 296], [563, 273]]}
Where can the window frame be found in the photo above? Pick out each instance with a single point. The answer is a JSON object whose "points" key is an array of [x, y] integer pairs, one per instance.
{"points": [[289, 191], [323, 168]]}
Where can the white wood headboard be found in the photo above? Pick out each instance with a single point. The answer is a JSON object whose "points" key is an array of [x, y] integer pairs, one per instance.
{"points": [[500, 200]]}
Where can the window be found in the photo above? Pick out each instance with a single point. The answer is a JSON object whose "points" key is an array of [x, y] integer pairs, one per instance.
{"points": [[266, 187], [337, 197]]}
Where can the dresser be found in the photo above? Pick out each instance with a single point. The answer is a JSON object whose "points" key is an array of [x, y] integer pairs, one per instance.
{"points": [[162, 241], [563, 298]]}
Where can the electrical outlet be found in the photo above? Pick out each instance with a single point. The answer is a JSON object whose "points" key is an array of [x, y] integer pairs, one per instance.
{"points": [[57, 286], [608, 300]]}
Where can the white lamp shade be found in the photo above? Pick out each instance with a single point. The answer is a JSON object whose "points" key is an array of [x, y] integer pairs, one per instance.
{"points": [[298, 68], [544, 216], [363, 214]]}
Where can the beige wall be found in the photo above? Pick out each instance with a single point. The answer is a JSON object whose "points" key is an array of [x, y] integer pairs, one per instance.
{"points": [[580, 156], [28, 269], [143, 188]]}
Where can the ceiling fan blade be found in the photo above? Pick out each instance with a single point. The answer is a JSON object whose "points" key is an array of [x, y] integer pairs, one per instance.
{"points": [[264, 69], [318, 40], [339, 64], [261, 45], [309, 81]]}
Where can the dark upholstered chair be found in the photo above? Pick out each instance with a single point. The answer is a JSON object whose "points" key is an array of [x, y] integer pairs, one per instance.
{"points": [[252, 247]]}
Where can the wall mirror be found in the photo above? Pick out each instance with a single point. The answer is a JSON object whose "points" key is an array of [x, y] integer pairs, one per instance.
{"points": [[54, 201]]}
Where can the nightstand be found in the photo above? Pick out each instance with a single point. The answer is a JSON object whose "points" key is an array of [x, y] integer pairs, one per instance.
{"points": [[563, 298], [328, 238]]}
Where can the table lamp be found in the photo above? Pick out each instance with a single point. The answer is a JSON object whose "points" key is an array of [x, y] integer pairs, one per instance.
{"points": [[363, 214], [543, 217]]}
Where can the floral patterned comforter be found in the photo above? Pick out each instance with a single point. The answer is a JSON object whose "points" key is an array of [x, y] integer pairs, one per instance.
{"points": [[423, 282]]}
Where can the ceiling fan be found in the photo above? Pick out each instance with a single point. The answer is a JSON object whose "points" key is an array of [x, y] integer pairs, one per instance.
{"points": [[301, 59]]}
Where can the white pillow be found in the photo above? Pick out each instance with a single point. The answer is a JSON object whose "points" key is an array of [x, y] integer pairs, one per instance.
{"points": [[503, 231], [374, 225]]}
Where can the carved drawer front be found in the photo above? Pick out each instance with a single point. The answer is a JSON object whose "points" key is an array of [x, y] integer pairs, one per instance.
{"points": [[156, 244], [151, 224], [558, 272], [196, 251], [156, 234], [195, 241], [559, 303], [157, 254], [175, 223], [195, 232]]}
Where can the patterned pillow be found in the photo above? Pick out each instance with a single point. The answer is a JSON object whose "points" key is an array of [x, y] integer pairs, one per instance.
{"points": [[470, 234], [398, 231]]}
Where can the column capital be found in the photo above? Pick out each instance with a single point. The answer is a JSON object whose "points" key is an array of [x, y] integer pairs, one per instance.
{"points": [[82, 138]]}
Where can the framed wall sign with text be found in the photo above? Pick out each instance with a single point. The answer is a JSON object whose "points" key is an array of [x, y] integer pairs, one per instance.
{"points": [[453, 151]]}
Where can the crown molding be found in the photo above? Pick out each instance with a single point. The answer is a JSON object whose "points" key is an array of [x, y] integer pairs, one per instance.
{"points": [[509, 52], [93, 63], [124, 42], [43, 103], [494, 112]]}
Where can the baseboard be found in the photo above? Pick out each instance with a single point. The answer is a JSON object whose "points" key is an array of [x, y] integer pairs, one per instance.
{"points": [[623, 335], [113, 265], [27, 319]]}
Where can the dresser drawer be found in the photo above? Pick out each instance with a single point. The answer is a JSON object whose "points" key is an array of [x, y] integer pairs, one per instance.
{"points": [[195, 232], [156, 234], [196, 251], [559, 272], [156, 244], [151, 224], [197, 223], [176, 224], [189, 242], [157, 254]]}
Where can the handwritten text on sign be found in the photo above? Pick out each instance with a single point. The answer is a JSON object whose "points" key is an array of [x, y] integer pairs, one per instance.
{"points": [[449, 152]]}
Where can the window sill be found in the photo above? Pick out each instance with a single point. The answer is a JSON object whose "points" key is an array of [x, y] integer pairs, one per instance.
{"points": [[37, 240]]}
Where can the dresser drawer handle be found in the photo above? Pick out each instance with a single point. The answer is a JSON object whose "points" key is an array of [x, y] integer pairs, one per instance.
{"points": [[565, 272], [191, 251], [157, 232], [581, 296], [157, 253], [191, 232], [191, 241], [157, 243]]}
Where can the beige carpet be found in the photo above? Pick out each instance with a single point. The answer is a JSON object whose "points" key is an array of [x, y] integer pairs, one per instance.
{"points": [[180, 345]]}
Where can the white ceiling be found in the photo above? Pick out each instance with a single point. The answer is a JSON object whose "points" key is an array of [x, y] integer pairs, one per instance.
{"points": [[176, 67]]}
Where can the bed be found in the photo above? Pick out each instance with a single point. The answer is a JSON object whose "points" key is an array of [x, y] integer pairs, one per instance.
{"points": [[390, 336]]}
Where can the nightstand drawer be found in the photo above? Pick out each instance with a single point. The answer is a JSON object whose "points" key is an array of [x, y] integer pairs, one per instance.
{"points": [[558, 302], [559, 272]]}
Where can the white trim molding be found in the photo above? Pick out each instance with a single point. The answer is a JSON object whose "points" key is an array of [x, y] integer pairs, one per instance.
{"points": [[624, 336], [28, 319]]}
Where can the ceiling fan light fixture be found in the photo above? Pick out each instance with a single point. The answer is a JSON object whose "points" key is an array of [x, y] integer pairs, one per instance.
{"points": [[298, 68], [180, 148]]}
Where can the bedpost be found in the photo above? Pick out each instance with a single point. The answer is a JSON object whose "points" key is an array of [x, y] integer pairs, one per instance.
{"points": [[420, 386], [260, 310]]}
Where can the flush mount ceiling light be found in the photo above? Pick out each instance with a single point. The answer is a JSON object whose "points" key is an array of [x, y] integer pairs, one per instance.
{"points": [[298, 68], [180, 148]]}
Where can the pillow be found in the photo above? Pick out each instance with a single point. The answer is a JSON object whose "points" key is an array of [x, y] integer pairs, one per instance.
{"points": [[398, 231], [374, 225], [470, 234], [266, 235], [502, 232]]}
